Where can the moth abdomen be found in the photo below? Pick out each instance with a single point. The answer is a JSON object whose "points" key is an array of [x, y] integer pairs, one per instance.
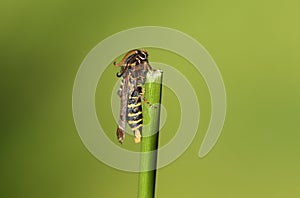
{"points": [[135, 115]]}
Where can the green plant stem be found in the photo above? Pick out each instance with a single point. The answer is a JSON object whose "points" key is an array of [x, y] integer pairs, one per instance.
{"points": [[153, 89]]}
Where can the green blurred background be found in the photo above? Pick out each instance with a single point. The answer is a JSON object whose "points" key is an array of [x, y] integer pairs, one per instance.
{"points": [[256, 46]]}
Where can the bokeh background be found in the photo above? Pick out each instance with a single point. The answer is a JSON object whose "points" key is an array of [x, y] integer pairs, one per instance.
{"points": [[256, 46]]}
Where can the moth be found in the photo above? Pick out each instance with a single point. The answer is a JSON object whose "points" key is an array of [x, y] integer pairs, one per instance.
{"points": [[134, 69]]}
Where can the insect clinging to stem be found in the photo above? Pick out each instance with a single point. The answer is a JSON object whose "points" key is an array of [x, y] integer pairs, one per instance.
{"points": [[134, 69]]}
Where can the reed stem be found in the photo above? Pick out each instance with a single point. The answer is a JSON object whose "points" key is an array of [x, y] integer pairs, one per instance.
{"points": [[147, 176]]}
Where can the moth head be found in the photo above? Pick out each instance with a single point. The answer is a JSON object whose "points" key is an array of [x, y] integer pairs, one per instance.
{"points": [[128, 60]]}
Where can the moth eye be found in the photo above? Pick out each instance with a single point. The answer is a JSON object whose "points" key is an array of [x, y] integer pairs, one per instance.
{"points": [[143, 55]]}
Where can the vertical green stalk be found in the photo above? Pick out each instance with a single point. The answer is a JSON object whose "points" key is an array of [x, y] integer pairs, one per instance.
{"points": [[153, 89]]}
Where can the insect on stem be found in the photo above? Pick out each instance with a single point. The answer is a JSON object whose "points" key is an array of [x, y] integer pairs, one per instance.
{"points": [[137, 73], [134, 69]]}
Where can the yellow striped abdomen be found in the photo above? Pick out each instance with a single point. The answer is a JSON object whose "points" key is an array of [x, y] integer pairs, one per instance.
{"points": [[135, 115]]}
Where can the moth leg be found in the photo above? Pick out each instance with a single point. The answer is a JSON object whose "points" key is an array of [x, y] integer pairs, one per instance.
{"points": [[137, 136], [141, 92], [148, 103]]}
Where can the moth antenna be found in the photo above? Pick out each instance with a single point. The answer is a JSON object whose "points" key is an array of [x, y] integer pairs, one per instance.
{"points": [[119, 75], [130, 53], [123, 71], [119, 64]]}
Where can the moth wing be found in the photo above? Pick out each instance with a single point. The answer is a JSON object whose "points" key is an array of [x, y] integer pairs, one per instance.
{"points": [[123, 93]]}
